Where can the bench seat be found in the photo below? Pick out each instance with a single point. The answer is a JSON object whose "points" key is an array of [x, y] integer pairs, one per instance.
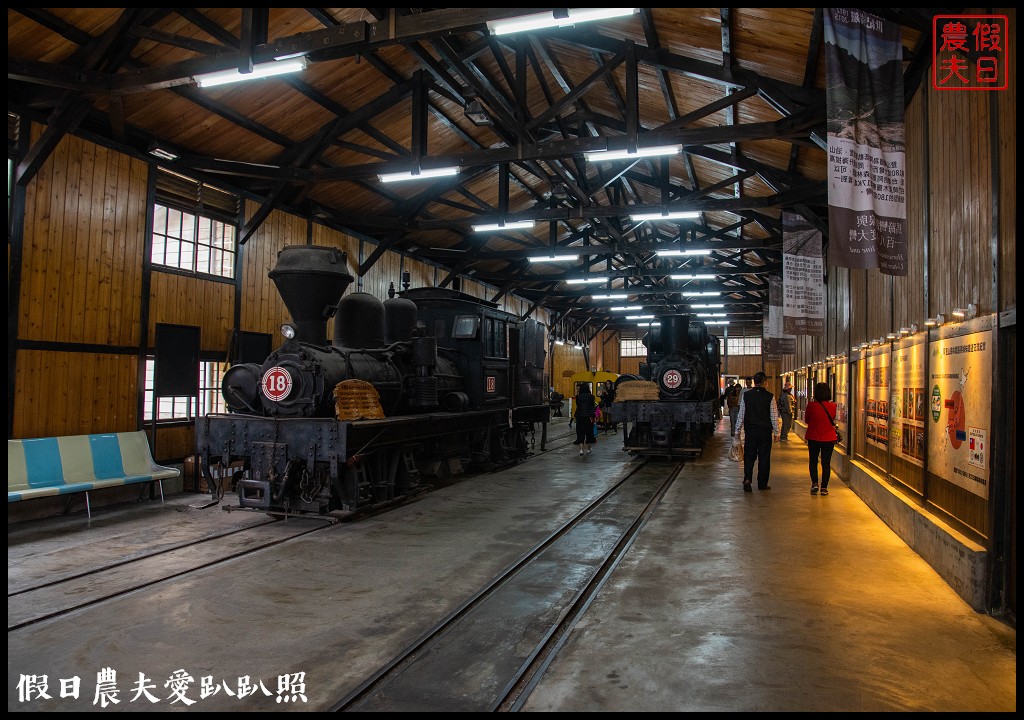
{"points": [[42, 467]]}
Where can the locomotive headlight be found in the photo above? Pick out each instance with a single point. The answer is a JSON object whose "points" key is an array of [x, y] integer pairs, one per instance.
{"points": [[288, 331]]}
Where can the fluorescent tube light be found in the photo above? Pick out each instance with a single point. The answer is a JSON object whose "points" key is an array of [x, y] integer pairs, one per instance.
{"points": [[494, 227], [717, 322], [692, 277], [610, 296], [585, 281], [649, 324], [162, 154], [680, 215], [653, 151], [640, 317], [423, 174], [709, 305], [677, 253], [627, 308], [267, 69], [553, 258], [702, 292], [540, 21], [710, 315]]}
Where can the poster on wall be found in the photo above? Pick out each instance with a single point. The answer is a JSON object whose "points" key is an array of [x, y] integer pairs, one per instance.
{"points": [[877, 401], [960, 410], [842, 400], [906, 403]]}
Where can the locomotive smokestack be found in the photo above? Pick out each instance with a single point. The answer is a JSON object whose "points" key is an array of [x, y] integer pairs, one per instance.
{"points": [[674, 333], [311, 280]]}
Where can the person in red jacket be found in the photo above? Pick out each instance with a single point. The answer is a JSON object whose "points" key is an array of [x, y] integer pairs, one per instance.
{"points": [[821, 436]]}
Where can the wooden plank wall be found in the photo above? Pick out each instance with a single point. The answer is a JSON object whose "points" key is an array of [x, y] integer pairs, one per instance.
{"points": [[81, 279], [961, 231]]}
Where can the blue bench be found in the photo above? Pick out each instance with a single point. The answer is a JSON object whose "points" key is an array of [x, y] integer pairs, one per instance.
{"points": [[43, 467]]}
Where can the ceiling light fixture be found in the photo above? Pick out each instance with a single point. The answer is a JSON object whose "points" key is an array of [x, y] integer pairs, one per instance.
{"points": [[679, 215], [653, 151], [692, 277], [497, 227], [610, 296], [627, 308], [263, 70], [159, 152], [709, 305], [540, 21], [585, 281], [702, 292], [640, 317], [421, 175], [553, 258], [677, 253], [717, 322], [475, 112]]}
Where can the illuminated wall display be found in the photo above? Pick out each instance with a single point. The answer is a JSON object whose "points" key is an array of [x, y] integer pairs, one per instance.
{"points": [[959, 410]]}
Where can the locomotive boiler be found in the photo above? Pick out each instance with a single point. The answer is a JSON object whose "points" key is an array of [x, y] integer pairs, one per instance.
{"points": [[677, 413], [440, 381]]}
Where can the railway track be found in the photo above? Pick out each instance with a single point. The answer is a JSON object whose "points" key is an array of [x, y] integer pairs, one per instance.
{"points": [[491, 651], [56, 586]]}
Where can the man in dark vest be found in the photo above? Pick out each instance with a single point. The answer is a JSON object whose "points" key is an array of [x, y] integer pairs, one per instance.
{"points": [[759, 421]]}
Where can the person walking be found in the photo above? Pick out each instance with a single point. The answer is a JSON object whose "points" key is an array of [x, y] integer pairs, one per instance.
{"points": [[759, 421], [584, 409], [607, 398], [787, 406], [821, 436], [732, 403]]}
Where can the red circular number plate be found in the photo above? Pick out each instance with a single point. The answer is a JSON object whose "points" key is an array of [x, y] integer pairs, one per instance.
{"points": [[672, 379], [277, 383]]}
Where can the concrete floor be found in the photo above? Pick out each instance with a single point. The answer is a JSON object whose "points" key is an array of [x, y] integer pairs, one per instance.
{"points": [[765, 601]]}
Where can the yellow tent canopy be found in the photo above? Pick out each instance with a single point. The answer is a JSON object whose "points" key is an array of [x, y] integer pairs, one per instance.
{"points": [[596, 378]]}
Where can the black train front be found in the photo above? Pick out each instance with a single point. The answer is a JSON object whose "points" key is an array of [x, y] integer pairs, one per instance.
{"points": [[672, 408], [459, 382]]}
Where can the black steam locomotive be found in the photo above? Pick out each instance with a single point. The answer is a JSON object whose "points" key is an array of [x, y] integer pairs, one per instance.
{"points": [[683, 360], [457, 382]]}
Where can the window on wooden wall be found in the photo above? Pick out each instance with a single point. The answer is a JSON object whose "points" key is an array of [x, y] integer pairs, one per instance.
{"points": [[172, 409], [744, 346], [632, 347], [195, 226]]}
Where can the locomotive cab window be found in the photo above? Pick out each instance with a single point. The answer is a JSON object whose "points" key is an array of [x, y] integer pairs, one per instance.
{"points": [[465, 327], [495, 344]]}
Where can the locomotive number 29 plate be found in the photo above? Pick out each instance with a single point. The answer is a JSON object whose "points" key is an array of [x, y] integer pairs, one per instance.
{"points": [[672, 379]]}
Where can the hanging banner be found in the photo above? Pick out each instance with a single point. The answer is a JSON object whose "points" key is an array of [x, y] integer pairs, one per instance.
{"points": [[776, 342], [769, 351], [867, 211], [803, 272]]}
